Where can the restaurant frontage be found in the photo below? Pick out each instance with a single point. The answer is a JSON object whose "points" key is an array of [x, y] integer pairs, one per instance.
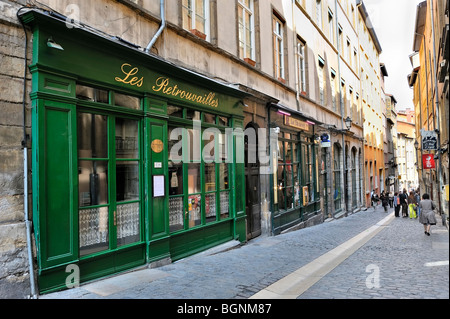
{"points": [[134, 159]]}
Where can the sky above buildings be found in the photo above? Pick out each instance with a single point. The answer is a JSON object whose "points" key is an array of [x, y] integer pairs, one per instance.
{"points": [[394, 23]]}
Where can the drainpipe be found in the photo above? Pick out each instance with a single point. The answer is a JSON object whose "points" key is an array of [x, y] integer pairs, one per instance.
{"points": [[160, 30], [28, 224]]}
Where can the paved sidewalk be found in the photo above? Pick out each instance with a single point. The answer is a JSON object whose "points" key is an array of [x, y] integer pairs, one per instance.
{"points": [[399, 251]]}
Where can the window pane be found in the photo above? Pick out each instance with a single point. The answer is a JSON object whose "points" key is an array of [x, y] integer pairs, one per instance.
{"points": [[194, 178], [127, 181], [175, 178], [223, 176], [209, 118], [195, 152], [176, 213], [223, 121], [92, 135], [281, 198], [93, 230], [194, 208], [289, 198], [175, 145], [187, 14], [128, 224], [224, 205], [91, 94], [127, 138], [174, 111], [210, 207], [210, 177], [193, 115], [92, 183], [127, 101]]}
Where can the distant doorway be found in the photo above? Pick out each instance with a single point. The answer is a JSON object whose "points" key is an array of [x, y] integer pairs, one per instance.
{"points": [[252, 183]]}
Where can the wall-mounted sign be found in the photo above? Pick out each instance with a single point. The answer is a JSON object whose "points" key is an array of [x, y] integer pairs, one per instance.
{"points": [[293, 122], [429, 140], [428, 161], [133, 77], [325, 140], [157, 146]]}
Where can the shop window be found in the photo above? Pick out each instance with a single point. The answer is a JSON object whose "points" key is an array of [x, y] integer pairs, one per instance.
{"points": [[127, 101], [209, 118], [92, 94], [198, 171], [174, 111], [109, 167]]}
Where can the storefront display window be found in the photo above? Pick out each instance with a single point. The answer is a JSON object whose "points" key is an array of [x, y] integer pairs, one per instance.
{"points": [[108, 177], [206, 170], [296, 174]]}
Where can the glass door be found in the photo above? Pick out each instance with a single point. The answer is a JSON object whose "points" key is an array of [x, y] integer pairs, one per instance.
{"points": [[109, 182]]}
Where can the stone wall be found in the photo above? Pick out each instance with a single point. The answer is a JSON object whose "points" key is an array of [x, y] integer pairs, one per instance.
{"points": [[14, 272]]}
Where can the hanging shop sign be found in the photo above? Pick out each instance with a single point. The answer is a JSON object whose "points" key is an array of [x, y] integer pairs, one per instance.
{"points": [[325, 140], [429, 140], [428, 161]]}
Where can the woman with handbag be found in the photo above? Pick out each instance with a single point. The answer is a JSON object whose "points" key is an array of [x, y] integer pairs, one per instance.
{"points": [[427, 217]]}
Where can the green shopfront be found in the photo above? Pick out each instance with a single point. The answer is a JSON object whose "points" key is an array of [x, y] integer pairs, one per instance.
{"points": [[132, 160]]}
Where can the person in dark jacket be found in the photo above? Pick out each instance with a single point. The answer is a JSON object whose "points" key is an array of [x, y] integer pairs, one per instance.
{"points": [[404, 202], [397, 204], [385, 200]]}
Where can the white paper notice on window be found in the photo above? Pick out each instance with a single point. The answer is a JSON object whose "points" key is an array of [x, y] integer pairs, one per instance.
{"points": [[158, 186]]}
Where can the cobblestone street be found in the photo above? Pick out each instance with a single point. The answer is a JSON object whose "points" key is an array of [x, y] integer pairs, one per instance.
{"points": [[398, 262]]}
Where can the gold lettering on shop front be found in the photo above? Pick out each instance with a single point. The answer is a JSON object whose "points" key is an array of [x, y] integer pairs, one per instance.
{"points": [[129, 78], [162, 84]]}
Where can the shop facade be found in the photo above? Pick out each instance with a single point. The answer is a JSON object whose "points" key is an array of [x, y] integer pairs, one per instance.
{"points": [[134, 160], [295, 197]]}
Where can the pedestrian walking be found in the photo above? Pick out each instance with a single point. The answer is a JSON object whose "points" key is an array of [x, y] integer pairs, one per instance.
{"points": [[418, 201], [412, 205], [427, 217], [403, 202], [384, 200], [397, 204], [391, 200]]}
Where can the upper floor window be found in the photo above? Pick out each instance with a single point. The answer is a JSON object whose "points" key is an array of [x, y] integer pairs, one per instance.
{"points": [[331, 26], [196, 17], [246, 29], [301, 66], [278, 50], [319, 13]]}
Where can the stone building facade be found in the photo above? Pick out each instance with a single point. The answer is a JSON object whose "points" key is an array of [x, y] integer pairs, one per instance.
{"points": [[302, 70]]}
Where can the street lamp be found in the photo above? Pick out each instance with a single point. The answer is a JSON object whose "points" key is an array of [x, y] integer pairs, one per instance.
{"points": [[348, 122]]}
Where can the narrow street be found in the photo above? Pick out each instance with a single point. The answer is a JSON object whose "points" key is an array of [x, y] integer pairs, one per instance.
{"points": [[370, 254]]}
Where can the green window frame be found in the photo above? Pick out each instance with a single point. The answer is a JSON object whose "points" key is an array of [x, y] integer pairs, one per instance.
{"points": [[110, 171], [199, 170]]}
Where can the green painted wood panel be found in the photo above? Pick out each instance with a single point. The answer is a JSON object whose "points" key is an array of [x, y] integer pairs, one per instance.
{"points": [[58, 205]]}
